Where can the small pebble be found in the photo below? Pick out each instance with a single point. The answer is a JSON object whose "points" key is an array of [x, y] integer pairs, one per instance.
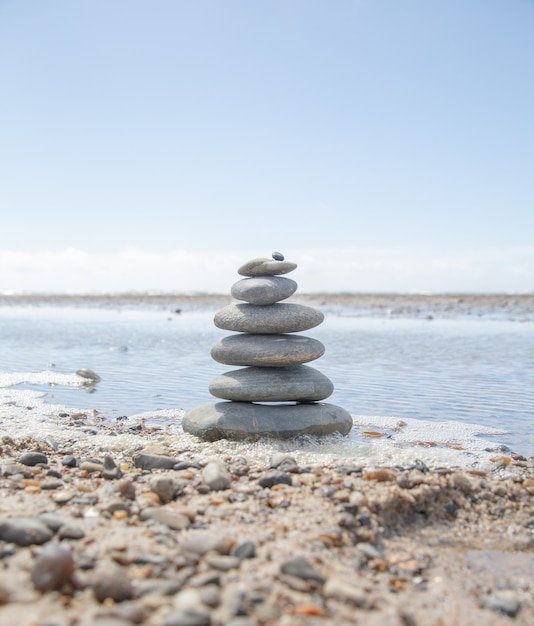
{"points": [[24, 531], [111, 470], [216, 476], [110, 581], [278, 256], [33, 458], [53, 568], [274, 478], [302, 568], [147, 461], [501, 604]]}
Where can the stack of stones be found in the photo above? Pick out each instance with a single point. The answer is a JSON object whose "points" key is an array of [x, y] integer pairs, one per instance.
{"points": [[274, 394]]}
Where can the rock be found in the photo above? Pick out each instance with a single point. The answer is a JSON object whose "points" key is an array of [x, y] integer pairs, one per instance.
{"points": [[111, 470], [188, 618], [71, 532], [163, 515], [341, 589], [147, 461], [277, 256], [89, 374], [244, 420], [275, 478], [202, 542], [269, 319], [301, 383], [216, 476], [266, 267], [302, 568], [24, 531], [263, 290], [33, 458], [267, 350], [69, 461], [53, 568], [166, 487], [223, 562], [501, 604], [53, 521], [245, 550], [110, 581]]}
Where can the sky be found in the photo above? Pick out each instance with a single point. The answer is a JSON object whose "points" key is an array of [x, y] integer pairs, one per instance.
{"points": [[383, 145]]}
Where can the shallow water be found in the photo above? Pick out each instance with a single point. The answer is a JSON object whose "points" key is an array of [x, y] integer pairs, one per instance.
{"points": [[454, 370]]}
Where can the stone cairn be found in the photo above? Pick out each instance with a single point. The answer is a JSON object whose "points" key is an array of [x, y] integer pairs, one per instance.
{"points": [[274, 394]]}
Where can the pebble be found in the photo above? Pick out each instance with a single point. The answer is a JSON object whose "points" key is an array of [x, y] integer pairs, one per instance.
{"points": [[269, 319], [163, 515], [263, 290], [275, 478], [25, 531], [71, 532], [341, 589], [501, 604], [111, 582], [223, 562], [245, 550], [266, 267], [111, 470], [302, 568], [147, 461], [166, 487], [188, 618], [33, 458], [267, 350], [216, 476], [53, 568], [89, 374]]}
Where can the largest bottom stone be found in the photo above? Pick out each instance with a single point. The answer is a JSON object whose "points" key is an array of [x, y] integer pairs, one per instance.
{"points": [[247, 420]]}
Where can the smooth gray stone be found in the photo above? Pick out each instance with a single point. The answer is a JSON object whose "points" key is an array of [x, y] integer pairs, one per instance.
{"points": [[267, 350], [263, 289], [273, 318], [266, 267], [244, 420], [272, 384]]}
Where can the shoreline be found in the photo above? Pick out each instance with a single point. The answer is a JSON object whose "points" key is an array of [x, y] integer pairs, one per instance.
{"points": [[501, 306], [160, 532]]}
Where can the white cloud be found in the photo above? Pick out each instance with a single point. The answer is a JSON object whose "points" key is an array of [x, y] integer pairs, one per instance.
{"points": [[347, 269]]}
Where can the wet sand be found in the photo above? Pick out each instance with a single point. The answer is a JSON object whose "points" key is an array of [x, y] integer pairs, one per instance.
{"points": [[151, 533]]}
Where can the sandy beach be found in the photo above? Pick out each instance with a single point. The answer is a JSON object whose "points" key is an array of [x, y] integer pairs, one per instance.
{"points": [[150, 533], [121, 523]]}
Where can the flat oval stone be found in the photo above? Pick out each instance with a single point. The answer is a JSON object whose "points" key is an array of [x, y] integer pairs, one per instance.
{"points": [[268, 319], [245, 420], [263, 289], [266, 267], [272, 384], [267, 350]]}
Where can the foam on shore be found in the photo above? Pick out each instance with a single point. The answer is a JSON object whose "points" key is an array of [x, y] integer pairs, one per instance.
{"points": [[374, 440]]}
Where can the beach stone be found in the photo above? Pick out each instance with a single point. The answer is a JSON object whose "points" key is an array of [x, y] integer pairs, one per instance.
{"points": [[272, 384], [89, 374], [274, 478], [266, 267], [216, 476], [52, 568], [263, 290], [188, 618], [271, 318], [244, 420], [147, 461], [24, 531], [111, 582], [302, 568], [171, 519], [267, 350], [111, 470], [33, 458], [245, 550], [501, 604], [166, 487]]}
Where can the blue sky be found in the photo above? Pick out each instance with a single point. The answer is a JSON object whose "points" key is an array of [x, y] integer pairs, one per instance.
{"points": [[382, 144]]}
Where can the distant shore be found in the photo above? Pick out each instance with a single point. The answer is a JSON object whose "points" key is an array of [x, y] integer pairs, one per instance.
{"points": [[502, 306]]}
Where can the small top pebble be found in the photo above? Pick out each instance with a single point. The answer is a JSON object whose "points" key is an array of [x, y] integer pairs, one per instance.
{"points": [[278, 256], [266, 267]]}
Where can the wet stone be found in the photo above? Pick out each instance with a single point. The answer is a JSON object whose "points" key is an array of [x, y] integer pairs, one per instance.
{"points": [[274, 478], [271, 319], [301, 383], [248, 421], [266, 267], [277, 350]]}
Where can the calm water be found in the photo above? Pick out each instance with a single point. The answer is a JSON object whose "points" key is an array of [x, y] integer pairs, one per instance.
{"points": [[475, 371]]}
